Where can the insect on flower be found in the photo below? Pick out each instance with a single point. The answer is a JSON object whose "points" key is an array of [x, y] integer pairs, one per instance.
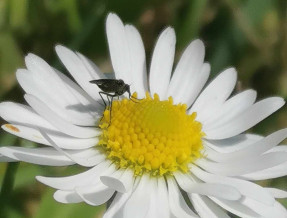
{"points": [[112, 88]]}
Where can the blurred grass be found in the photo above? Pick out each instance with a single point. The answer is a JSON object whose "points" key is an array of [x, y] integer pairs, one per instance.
{"points": [[248, 34]]}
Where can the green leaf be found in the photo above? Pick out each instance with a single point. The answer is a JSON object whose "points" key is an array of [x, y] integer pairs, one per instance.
{"points": [[70, 9], [18, 13], [26, 174], [7, 139], [10, 59], [192, 22], [255, 10], [3, 12]]}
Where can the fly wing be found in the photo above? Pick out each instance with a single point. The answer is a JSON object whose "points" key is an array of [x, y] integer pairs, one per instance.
{"points": [[106, 85]]}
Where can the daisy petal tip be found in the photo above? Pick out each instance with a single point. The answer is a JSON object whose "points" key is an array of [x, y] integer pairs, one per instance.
{"points": [[113, 183], [169, 33], [131, 28], [231, 71], [199, 44], [7, 152], [112, 15], [230, 74], [236, 196], [60, 50], [3, 149], [32, 58], [59, 47], [252, 92], [20, 71], [28, 58], [228, 193], [43, 180], [277, 101], [40, 179], [46, 181], [113, 19], [58, 197], [28, 55], [207, 66], [282, 101]]}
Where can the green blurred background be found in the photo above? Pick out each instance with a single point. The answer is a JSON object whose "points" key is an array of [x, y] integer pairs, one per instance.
{"points": [[248, 34]]}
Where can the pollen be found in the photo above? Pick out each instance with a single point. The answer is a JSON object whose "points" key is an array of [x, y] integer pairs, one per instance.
{"points": [[150, 135], [11, 127]]}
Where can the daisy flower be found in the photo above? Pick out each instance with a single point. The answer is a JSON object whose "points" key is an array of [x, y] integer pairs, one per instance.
{"points": [[175, 149]]}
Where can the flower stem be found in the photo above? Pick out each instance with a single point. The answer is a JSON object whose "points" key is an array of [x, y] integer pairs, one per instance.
{"points": [[7, 186]]}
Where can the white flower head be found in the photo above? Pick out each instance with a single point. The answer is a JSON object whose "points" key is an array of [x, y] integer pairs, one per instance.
{"points": [[173, 149]]}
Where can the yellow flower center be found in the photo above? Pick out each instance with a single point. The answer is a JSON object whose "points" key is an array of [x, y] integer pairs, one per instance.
{"points": [[150, 136]]}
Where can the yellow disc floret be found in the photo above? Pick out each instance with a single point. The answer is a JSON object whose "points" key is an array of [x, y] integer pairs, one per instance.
{"points": [[150, 136]]}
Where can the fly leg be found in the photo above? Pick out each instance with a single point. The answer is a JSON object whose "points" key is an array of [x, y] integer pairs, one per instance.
{"points": [[101, 93], [111, 104], [111, 107]]}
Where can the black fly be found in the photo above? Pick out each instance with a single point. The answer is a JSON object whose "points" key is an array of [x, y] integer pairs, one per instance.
{"points": [[112, 88]]}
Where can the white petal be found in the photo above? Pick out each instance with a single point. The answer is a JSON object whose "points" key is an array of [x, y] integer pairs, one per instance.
{"points": [[196, 85], [90, 104], [62, 140], [121, 181], [118, 202], [78, 70], [232, 144], [245, 166], [93, 69], [265, 210], [138, 72], [91, 158], [206, 208], [162, 62], [246, 188], [22, 114], [270, 173], [246, 120], [127, 54], [210, 189], [162, 198], [67, 197], [281, 148], [37, 81], [214, 95], [119, 50], [5, 159], [95, 194], [277, 193], [58, 122], [71, 182], [153, 207], [138, 204], [187, 69], [230, 109], [255, 149], [117, 205], [42, 156], [177, 204], [237, 208]]}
